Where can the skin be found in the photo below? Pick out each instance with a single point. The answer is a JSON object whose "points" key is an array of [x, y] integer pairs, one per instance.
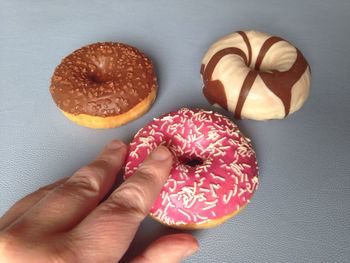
{"points": [[65, 221]]}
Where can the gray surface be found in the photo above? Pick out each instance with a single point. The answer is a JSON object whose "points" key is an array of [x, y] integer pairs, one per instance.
{"points": [[301, 212]]}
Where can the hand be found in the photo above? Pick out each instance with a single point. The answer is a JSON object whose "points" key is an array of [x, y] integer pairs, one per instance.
{"points": [[64, 222]]}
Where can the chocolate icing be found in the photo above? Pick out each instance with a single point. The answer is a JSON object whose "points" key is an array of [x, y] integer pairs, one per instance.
{"points": [[249, 47], [102, 79], [280, 83], [214, 90], [246, 86], [265, 47]]}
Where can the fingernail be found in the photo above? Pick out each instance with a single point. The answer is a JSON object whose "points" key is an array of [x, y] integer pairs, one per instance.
{"points": [[115, 145], [190, 252], [160, 154]]}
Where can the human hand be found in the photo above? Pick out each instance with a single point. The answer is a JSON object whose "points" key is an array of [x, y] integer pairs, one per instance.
{"points": [[64, 222]]}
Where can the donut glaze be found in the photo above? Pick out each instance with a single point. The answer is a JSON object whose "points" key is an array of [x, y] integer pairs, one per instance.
{"points": [[255, 75], [103, 79], [214, 172]]}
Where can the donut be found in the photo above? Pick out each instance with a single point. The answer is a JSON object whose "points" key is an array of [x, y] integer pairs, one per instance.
{"points": [[255, 75], [214, 173], [104, 85]]}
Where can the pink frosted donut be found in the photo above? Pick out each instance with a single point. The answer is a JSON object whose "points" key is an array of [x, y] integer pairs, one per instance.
{"points": [[214, 173]]}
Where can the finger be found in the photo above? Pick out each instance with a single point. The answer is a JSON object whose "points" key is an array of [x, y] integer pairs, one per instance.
{"points": [[170, 249], [113, 224], [21, 206], [67, 205]]}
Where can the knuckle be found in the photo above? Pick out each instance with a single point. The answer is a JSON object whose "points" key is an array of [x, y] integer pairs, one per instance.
{"points": [[146, 169], [87, 180], [44, 190], [131, 198], [147, 173]]}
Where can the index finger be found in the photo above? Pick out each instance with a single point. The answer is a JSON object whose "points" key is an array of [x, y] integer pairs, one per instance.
{"points": [[114, 223]]}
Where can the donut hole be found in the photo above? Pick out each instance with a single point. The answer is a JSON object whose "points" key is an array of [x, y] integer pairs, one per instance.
{"points": [[102, 71], [191, 161], [98, 76]]}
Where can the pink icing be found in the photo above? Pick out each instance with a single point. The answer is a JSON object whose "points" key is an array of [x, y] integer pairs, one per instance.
{"points": [[197, 192]]}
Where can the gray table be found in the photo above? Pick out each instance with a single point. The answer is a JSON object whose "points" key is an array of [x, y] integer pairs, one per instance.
{"points": [[301, 212]]}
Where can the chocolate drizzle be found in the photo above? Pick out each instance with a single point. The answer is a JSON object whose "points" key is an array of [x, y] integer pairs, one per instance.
{"points": [[265, 47], [249, 47], [102, 79], [280, 83], [246, 86], [214, 90]]}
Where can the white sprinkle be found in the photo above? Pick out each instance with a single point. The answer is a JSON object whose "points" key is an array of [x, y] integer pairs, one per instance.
{"points": [[168, 118], [249, 187], [236, 179], [228, 197], [180, 223], [225, 147], [184, 213], [235, 190], [213, 191], [241, 191], [166, 207], [208, 207], [217, 126], [172, 189], [157, 213], [162, 126], [198, 128], [159, 134], [204, 189], [216, 186], [242, 178], [194, 200], [134, 154], [218, 177], [225, 199], [202, 217], [173, 132], [128, 163], [166, 198], [201, 181], [232, 142], [211, 202]]}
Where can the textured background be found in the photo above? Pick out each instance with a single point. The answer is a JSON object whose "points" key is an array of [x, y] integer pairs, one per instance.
{"points": [[301, 212]]}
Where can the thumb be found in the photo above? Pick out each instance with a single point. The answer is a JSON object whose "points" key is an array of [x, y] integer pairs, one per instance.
{"points": [[170, 249]]}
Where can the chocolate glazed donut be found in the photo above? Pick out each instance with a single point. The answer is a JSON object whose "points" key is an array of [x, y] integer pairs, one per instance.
{"points": [[255, 75], [104, 85]]}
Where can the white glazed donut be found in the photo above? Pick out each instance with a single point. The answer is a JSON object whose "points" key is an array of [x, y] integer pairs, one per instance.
{"points": [[255, 75]]}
